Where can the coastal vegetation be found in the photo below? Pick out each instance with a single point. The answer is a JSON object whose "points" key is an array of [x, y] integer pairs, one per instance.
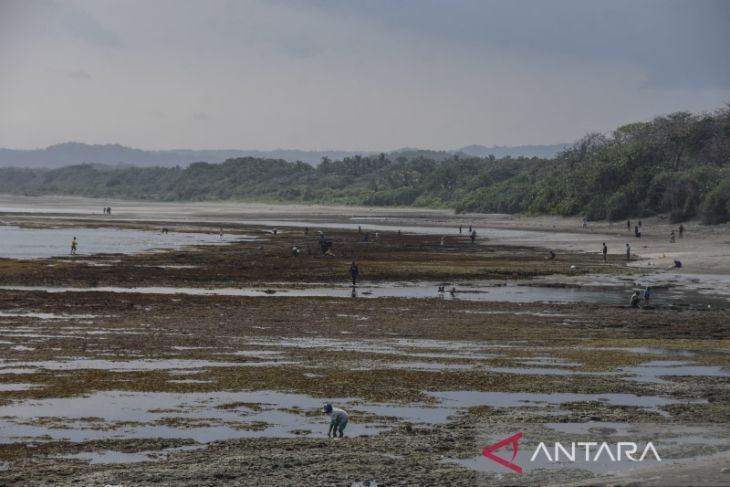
{"points": [[678, 164]]}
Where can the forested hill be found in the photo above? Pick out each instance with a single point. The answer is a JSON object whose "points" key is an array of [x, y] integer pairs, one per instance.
{"points": [[677, 164]]}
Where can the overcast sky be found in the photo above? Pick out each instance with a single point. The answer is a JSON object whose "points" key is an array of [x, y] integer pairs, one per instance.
{"points": [[360, 75]]}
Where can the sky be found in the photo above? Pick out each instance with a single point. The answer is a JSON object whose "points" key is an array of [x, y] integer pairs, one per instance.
{"points": [[353, 75]]}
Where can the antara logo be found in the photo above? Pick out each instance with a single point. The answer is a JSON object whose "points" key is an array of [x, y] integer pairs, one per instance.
{"points": [[594, 452], [512, 440]]}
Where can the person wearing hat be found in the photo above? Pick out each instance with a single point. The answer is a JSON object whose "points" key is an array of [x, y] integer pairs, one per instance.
{"points": [[338, 420]]}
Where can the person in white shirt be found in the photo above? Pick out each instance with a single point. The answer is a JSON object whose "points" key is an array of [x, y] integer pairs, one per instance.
{"points": [[338, 420]]}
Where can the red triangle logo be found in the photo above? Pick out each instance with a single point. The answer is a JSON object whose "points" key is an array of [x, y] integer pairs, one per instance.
{"points": [[512, 440]]}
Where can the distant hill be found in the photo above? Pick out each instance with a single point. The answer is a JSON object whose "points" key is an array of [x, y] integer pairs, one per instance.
{"points": [[73, 153]]}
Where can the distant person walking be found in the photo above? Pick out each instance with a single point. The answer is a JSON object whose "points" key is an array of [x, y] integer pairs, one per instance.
{"points": [[605, 252], [681, 230], [637, 232], [473, 236], [628, 225], [628, 251], [74, 246], [672, 237], [460, 228], [354, 273]]}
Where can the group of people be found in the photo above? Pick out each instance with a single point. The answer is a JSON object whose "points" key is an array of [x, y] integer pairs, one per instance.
{"points": [[472, 233], [637, 233], [442, 290], [637, 228], [636, 297], [107, 210]]}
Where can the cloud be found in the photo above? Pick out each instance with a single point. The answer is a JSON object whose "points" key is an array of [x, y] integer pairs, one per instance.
{"points": [[78, 74], [350, 74], [86, 27], [677, 43], [56, 19]]}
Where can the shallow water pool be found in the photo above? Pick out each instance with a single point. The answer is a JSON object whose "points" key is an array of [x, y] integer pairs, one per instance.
{"points": [[32, 243]]}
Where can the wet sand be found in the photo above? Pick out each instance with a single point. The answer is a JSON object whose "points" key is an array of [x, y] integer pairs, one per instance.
{"points": [[183, 389]]}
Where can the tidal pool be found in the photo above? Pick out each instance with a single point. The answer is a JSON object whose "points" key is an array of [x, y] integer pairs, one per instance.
{"points": [[211, 416], [484, 292], [32, 243], [203, 417], [654, 370]]}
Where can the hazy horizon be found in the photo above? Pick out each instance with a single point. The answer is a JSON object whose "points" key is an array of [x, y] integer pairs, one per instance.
{"points": [[272, 149], [357, 76]]}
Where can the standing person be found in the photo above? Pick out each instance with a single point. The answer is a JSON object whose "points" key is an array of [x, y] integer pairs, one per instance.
{"points": [[628, 225], [628, 252], [681, 230], [639, 223], [605, 252], [647, 296], [220, 233], [74, 245], [473, 236], [469, 228], [635, 299], [672, 237], [306, 231], [460, 228], [354, 273], [637, 232], [338, 420]]}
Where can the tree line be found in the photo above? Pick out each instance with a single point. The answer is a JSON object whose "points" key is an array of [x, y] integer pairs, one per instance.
{"points": [[678, 164]]}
